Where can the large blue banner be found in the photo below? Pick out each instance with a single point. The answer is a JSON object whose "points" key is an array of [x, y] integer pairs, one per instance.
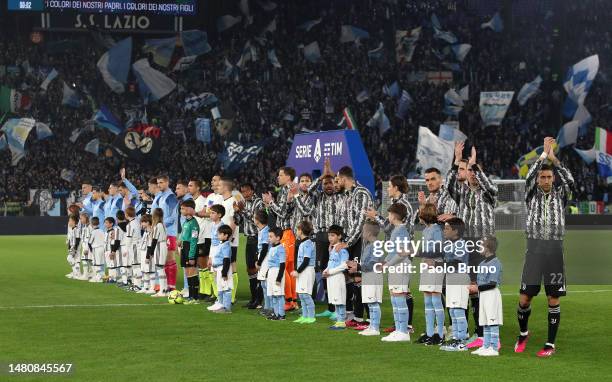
{"points": [[342, 147]]}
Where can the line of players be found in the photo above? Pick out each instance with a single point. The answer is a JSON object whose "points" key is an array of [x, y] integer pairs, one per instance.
{"points": [[335, 227]]}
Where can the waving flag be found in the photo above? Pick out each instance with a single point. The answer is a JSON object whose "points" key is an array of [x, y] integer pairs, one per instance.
{"points": [[588, 156], [449, 131], [11, 101], [153, 84], [3, 143], [308, 25], [528, 90], [377, 53], [449, 37], [202, 100], [16, 131], [496, 23], [227, 21], [203, 130], [493, 106], [604, 163], [114, 65], [93, 146], [195, 42], [347, 119], [350, 33], [162, 50], [380, 120], [461, 50], [568, 134], [273, 59], [312, 52], [363, 95], [43, 131], [465, 92], [50, 77], [140, 142], [403, 105], [584, 118], [237, 155], [432, 151], [578, 81], [392, 90], [405, 44], [105, 119], [528, 159], [70, 97], [453, 103], [435, 22], [603, 140]]}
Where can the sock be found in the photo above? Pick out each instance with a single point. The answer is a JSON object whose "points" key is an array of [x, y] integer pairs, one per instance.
{"points": [[430, 316], [203, 287], [523, 313], [439, 312], [374, 309], [145, 280], [402, 313], [266, 298], [475, 313], [186, 282], [487, 336], [410, 304], [461, 324], [253, 287], [554, 315], [124, 275], [170, 272], [340, 313], [163, 282], [192, 284], [235, 287], [213, 283], [309, 301], [453, 317], [138, 277], [99, 271], [227, 299], [280, 300], [129, 272], [493, 336], [395, 318]]}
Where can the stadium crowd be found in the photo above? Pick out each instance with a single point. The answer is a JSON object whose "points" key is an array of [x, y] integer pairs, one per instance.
{"points": [[314, 94]]}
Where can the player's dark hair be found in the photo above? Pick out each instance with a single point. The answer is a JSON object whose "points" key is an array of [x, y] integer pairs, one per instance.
{"points": [[400, 182], [305, 175], [95, 221], [86, 182], [130, 212], [371, 227], [546, 167], [226, 230], [278, 232], [248, 185], [153, 181], [189, 203], [346, 172], [146, 218], [163, 177], [120, 215], [261, 216], [197, 183], [110, 220], [457, 225], [116, 184], [182, 182], [335, 229], [96, 189], [399, 210], [326, 177], [433, 169], [464, 161], [289, 171], [218, 208], [158, 216], [490, 243], [428, 213], [74, 218], [229, 181], [306, 227]]}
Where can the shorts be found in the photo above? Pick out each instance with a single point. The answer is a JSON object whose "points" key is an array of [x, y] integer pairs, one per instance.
{"points": [[171, 242], [98, 256], [133, 258], [223, 285], [544, 261], [262, 273], [399, 282], [457, 290], [185, 256], [234, 254], [336, 289], [204, 248], [371, 290], [147, 266], [305, 280], [490, 310], [251, 252], [431, 280], [273, 288]]}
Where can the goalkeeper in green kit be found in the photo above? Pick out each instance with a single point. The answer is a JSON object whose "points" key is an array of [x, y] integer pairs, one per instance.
{"points": [[188, 243]]}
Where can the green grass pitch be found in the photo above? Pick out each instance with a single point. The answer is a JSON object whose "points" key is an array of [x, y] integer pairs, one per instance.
{"points": [[113, 335]]}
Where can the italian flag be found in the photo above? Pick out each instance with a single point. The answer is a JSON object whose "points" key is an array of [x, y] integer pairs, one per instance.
{"points": [[347, 117], [12, 101], [603, 140]]}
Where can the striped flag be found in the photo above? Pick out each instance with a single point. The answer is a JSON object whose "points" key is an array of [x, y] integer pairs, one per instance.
{"points": [[603, 140], [347, 119], [529, 90]]}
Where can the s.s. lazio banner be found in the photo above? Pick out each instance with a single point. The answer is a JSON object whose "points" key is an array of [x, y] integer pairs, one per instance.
{"points": [[493, 106], [604, 163], [342, 147]]}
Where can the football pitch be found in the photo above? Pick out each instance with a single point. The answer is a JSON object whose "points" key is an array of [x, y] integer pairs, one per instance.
{"points": [[109, 334]]}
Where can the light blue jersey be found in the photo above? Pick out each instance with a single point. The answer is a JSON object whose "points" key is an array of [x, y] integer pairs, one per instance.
{"points": [[306, 250], [262, 237], [169, 204], [456, 252], [337, 258], [214, 229], [276, 256], [399, 233], [97, 210], [88, 204], [493, 274], [224, 252], [112, 205]]}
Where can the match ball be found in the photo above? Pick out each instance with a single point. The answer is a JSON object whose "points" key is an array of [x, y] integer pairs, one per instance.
{"points": [[175, 297]]}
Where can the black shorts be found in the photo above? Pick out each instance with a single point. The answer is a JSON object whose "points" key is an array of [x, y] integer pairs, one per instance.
{"points": [[475, 258], [544, 263], [185, 255], [204, 248], [234, 254], [251, 252]]}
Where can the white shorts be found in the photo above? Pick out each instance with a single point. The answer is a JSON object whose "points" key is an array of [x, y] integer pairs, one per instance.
{"points": [[371, 287], [133, 258], [110, 263], [490, 308], [146, 267], [85, 255], [336, 289], [98, 256], [263, 270], [273, 288], [161, 254], [457, 290], [431, 281], [122, 256], [305, 280], [223, 285]]}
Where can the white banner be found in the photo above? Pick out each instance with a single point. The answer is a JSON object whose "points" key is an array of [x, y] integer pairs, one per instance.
{"points": [[433, 151], [493, 106]]}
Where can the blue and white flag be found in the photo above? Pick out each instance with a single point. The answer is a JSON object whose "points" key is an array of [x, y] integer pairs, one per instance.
{"points": [[568, 134], [105, 119], [363, 95], [584, 118], [447, 36], [273, 59], [403, 105], [579, 79], [433, 151], [496, 23], [604, 164], [93, 146], [230, 72], [380, 120], [588, 156], [227, 21], [493, 107], [392, 90], [153, 84], [16, 131], [43, 130], [203, 131], [3, 143], [449, 131], [237, 155], [308, 25], [435, 22], [377, 53], [70, 97], [453, 103], [114, 65], [350, 33], [195, 42], [461, 50], [465, 93], [528, 90], [405, 44], [50, 77], [249, 53], [201, 100], [312, 52], [161, 48], [184, 63]]}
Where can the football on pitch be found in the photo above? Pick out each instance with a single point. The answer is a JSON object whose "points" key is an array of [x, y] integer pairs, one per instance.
{"points": [[175, 297]]}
